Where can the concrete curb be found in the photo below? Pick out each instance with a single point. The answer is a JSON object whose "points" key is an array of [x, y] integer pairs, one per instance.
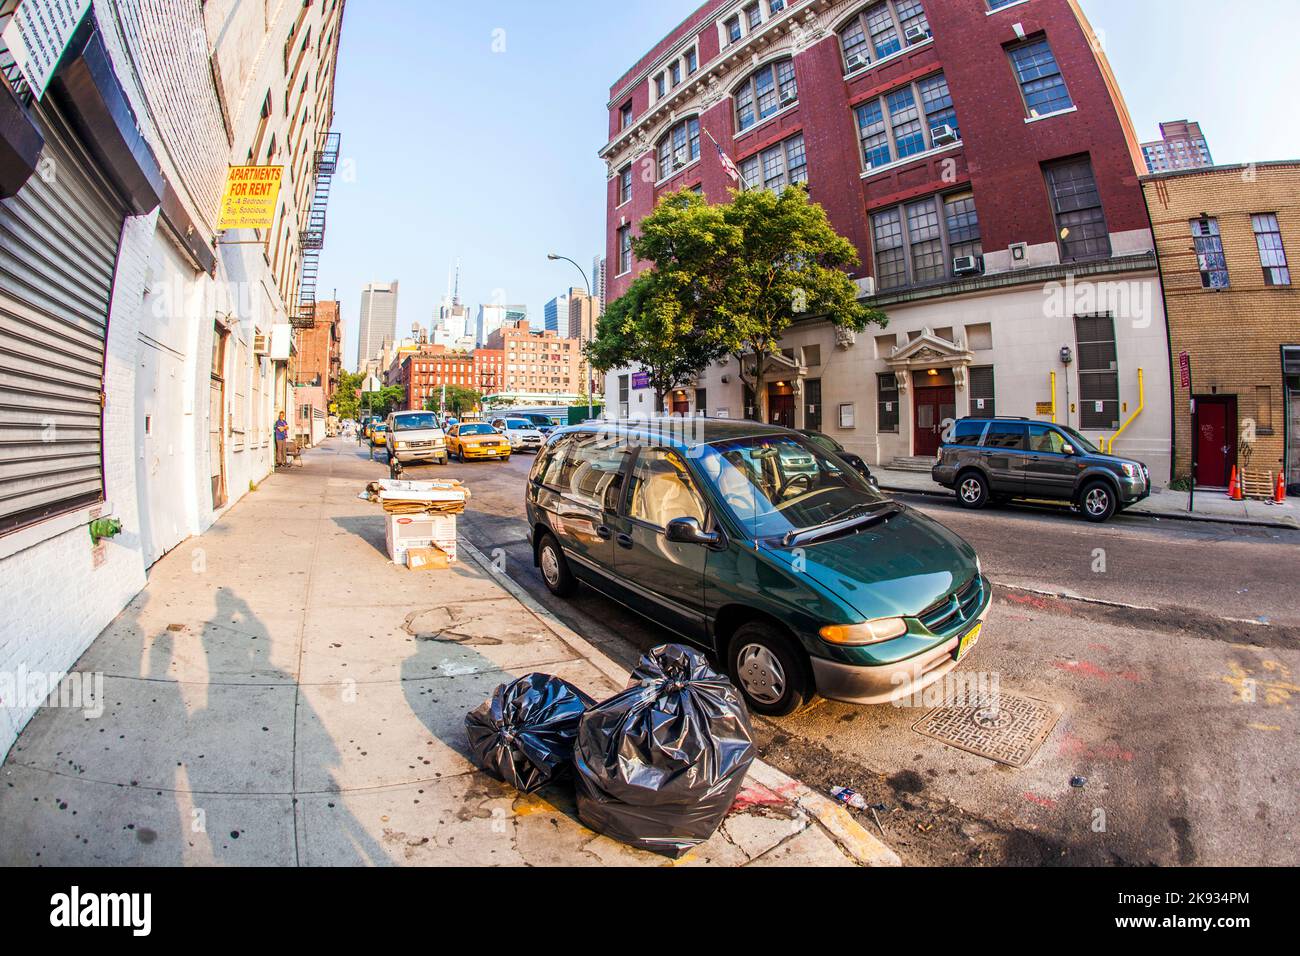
{"points": [[1138, 512], [851, 837]]}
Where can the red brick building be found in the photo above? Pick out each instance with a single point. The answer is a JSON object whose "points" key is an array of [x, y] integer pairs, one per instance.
{"points": [[424, 372], [980, 157], [319, 360]]}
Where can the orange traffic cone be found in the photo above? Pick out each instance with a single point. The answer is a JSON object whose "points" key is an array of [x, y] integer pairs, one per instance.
{"points": [[1234, 486], [1279, 495]]}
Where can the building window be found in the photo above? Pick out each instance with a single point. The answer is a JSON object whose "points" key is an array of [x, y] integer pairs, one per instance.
{"points": [[1098, 372], [999, 4], [881, 30], [702, 401], [624, 116], [679, 147], [775, 6], [624, 249], [764, 92], [754, 16], [887, 402], [692, 61], [982, 402], [812, 396], [1209, 253], [906, 133], [1268, 235], [917, 242], [624, 184], [661, 86], [1076, 203], [1040, 78], [732, 29], [623, 406], [776, 167]]}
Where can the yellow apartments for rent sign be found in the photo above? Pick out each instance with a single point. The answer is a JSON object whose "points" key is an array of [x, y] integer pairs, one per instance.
{"points": [[249, 199]]}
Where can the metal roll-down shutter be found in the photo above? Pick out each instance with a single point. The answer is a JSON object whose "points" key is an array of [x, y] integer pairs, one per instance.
{"points": [[59, 240]]}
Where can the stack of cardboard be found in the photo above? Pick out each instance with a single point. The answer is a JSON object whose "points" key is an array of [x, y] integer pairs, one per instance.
{"points": [[421, 520]]}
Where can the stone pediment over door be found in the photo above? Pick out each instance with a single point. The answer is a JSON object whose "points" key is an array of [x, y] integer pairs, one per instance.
{"points": [[928, 351]]}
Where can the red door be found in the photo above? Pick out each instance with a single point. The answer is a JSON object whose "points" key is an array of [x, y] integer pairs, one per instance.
{"points": [[933, 406], [1216, 440]]}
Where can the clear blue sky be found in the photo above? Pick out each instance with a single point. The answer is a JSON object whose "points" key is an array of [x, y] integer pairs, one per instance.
{"points": [[461, 151]]}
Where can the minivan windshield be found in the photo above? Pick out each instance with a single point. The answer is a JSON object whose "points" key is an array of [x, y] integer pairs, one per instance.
{"points": [[410, 423], [779, 485]]}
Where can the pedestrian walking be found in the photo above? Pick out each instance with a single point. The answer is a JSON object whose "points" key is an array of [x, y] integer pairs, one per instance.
{"points": [[281, 440]]}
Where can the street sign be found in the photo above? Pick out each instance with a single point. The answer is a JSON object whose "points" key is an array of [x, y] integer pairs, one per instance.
{"points": [[1185, 369], [1043, 408], [640, 380], [38, 35], [250, 197]]}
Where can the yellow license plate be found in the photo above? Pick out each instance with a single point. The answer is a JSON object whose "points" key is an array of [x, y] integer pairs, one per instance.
{"points": [[969, 640]]}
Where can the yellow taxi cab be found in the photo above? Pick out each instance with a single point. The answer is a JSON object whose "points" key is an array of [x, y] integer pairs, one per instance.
{"points": [[469, 441], [378, 438]]}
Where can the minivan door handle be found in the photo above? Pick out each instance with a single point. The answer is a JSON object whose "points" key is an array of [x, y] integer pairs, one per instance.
{"points": [[604, 533], [625, 541]]}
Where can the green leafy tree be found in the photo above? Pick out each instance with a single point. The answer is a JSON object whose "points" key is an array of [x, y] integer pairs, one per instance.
{"points": [[460, 399], [732, 278], [649, 326], [348, 395], [385, 400]]}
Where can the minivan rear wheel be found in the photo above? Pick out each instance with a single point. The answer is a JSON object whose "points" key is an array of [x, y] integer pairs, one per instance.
{"points": [[558, 578], [972, 490], [1097, 501], [769, 671]]}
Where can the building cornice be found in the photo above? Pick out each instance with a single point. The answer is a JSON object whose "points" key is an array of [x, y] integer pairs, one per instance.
{"points": [[794, 30]]}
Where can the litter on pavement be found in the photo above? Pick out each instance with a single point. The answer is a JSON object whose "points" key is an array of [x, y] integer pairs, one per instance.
{"points": [[421, 520]]}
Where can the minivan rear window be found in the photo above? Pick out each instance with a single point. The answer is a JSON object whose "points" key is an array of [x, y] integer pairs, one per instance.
{"points": [[1007, 435]]}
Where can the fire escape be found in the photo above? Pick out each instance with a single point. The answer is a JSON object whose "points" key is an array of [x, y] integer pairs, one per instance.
{"points": [[312, 239]]}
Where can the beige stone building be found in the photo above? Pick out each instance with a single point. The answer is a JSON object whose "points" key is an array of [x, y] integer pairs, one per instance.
{"points": [[1226, 238]]}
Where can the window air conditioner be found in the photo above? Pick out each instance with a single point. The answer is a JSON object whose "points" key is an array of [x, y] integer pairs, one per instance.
{"points": [[915, 34], [943, 135], [261, 345], [858, 60], [967, 265], [788, 97]]}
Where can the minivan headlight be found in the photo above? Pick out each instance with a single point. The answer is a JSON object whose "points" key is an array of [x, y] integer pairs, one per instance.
{"points": [[868, 632], [1130, 470]]}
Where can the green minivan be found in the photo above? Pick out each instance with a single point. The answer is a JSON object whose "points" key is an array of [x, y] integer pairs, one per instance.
{"points": [[800, 578]]}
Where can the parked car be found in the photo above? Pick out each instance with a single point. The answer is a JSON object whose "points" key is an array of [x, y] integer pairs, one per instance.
{"points": [[827, 443], [378, 437], [543, 421], [477, 440], [999, 459], [798, 581], [415, 437], [521, 432]]}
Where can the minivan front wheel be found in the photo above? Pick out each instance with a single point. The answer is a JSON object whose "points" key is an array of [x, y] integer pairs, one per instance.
{"points": [[771, 674], [555, 569], [972, 490], [1097, 501]]}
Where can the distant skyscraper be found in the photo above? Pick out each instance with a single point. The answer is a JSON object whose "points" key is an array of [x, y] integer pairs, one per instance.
{"points": [[598, 278], [581, 322], [1181, 145], [378, 320], [555, 314]]}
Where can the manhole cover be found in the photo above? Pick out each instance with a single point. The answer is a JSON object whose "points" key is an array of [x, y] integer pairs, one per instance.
{"points": [[1010, 732]]}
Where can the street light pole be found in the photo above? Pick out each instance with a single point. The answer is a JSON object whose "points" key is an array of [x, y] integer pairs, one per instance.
{"points": [[591, 413]]}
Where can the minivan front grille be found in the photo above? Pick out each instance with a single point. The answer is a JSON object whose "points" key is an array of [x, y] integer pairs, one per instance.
{"points": [[954, 611]]}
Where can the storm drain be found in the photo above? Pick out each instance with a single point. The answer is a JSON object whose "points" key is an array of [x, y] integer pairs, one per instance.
{"points": [[1010, 731]]}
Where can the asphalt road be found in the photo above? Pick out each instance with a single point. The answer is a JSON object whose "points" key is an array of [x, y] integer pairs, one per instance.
{"points": [[1170, 650]]}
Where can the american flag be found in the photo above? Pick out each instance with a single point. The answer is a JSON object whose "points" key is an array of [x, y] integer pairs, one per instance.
{"points": [[728, 166]]}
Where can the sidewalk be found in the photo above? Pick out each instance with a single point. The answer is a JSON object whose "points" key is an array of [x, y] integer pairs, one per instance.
{"points": [[1209, 505], [281, 694]]}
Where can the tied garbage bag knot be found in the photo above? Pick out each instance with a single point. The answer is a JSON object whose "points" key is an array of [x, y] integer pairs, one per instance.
{"points": [[524, 734], [659, 765]]}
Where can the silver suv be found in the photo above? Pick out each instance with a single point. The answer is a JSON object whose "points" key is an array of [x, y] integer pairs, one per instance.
{"points": [[997, 459], [414, 437]]}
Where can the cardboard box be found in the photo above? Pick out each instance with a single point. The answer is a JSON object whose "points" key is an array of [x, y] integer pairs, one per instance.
{"points": [[420, 531], [432, 558]]}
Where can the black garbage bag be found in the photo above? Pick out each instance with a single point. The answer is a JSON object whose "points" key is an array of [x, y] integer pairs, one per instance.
{"points": [[524, 734], [659, 765]]}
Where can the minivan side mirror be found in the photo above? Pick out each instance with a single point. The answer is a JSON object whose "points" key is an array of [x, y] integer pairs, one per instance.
{"points": [[1068, 450], [689, 531]]}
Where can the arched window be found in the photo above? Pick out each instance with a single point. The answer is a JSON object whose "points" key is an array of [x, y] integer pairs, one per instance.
{"points": [[679, 147], [766, 90], [881, 30]]}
